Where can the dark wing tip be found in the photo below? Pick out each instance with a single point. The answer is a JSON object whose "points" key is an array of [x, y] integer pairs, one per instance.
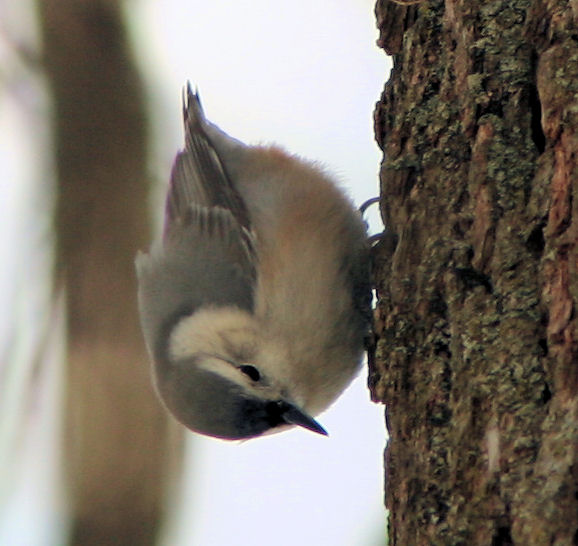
{"points": [[193, 113], [198, 174]]}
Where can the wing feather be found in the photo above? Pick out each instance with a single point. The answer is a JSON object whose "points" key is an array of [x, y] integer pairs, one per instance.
{"points": [[198, 174], [207, 260]]}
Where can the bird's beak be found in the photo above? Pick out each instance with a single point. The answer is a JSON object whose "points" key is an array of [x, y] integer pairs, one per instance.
{"points": [[294, 416]]}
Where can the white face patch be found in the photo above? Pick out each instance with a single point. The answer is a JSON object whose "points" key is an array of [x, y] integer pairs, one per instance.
{"points": [[222, 340], [213, 331]]}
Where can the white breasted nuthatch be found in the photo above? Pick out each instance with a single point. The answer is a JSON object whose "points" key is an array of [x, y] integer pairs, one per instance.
{"points": [[255, 305]]}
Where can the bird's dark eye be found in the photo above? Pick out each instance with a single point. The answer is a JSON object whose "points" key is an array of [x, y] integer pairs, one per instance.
{"points": [[250, 371]]}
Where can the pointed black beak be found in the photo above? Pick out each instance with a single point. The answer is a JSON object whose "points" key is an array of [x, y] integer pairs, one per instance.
{"points": [[289, 414]]}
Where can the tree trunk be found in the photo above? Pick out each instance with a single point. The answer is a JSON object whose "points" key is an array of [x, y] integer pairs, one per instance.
{"points": [[477, 353], [117, 444]]}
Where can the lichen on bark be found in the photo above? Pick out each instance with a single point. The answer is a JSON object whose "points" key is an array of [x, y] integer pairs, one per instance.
{"points": [[477, 357]]}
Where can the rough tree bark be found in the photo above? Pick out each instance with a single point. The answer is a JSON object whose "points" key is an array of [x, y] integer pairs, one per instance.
{"points": [[118, 439], [477, 355]]}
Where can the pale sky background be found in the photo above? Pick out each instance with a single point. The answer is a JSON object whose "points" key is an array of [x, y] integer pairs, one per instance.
{"points": [[303, 74]]}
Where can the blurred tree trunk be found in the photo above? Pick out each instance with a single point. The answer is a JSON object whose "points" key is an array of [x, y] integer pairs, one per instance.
{"points": [[477, 357], [118, 439]]}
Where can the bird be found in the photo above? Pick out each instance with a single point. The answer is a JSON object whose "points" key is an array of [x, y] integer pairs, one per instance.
{"points": [[256, 301]]}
